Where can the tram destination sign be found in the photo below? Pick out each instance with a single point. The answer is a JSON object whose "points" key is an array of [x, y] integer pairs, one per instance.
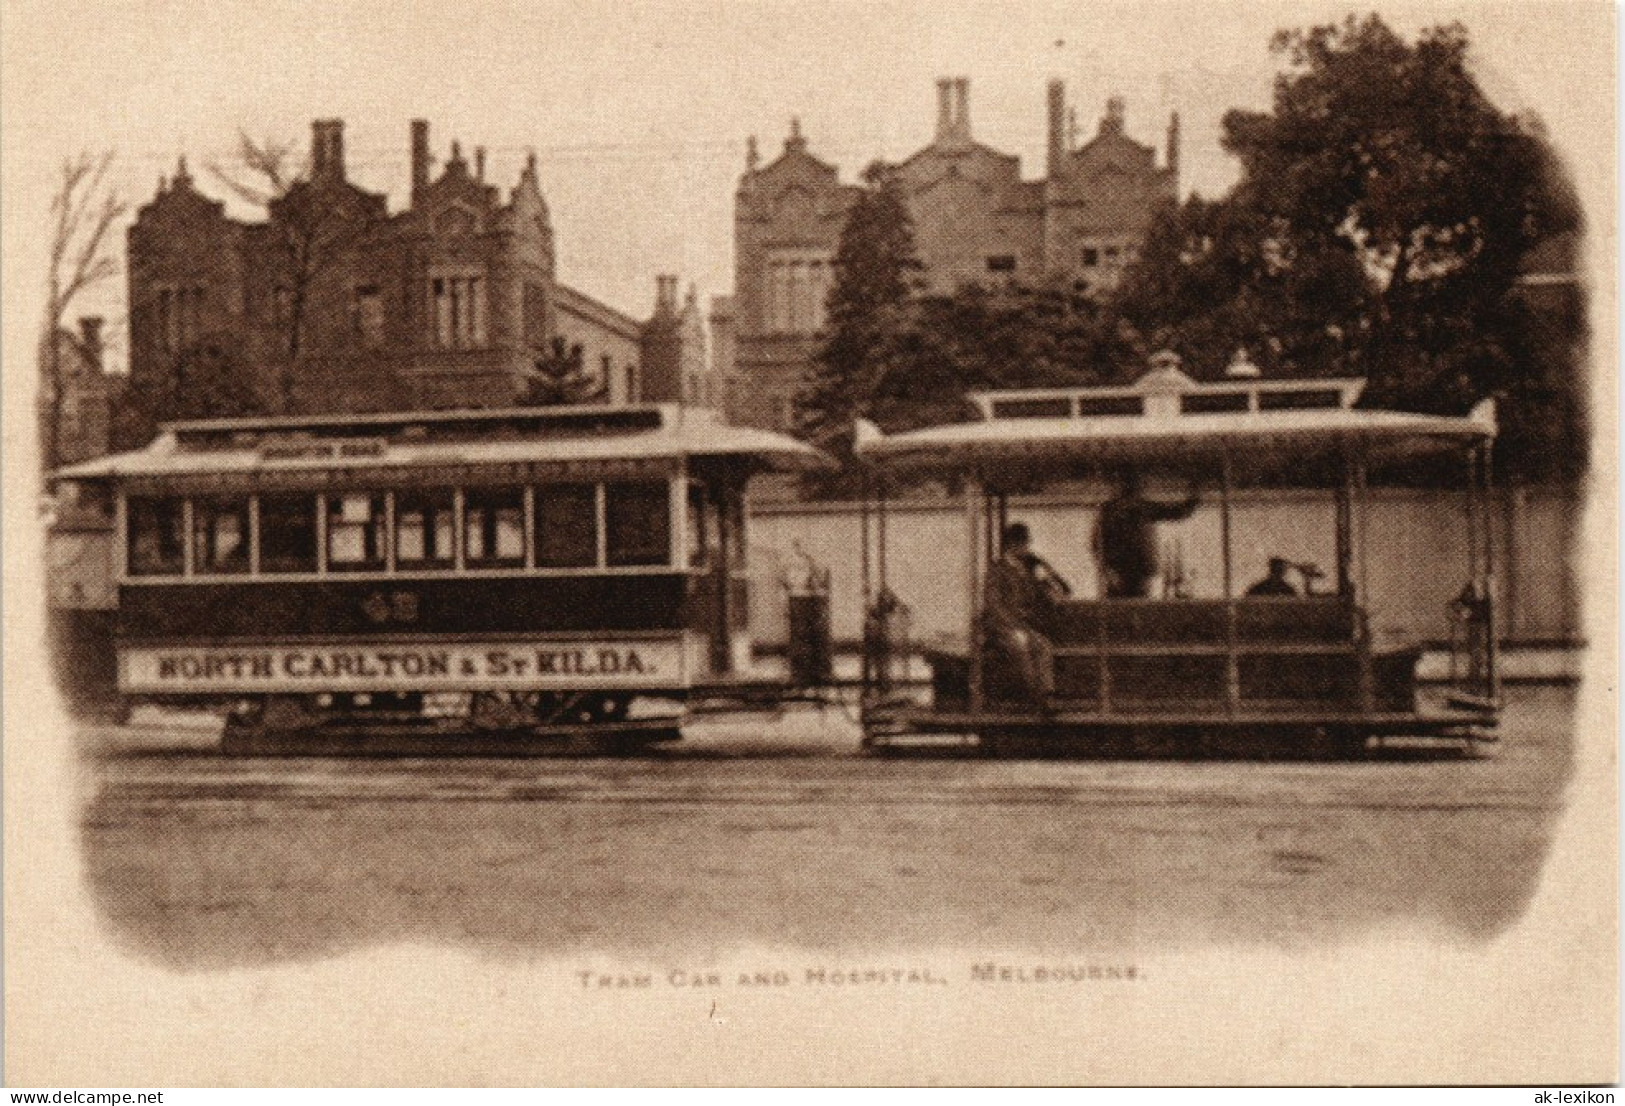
{"points": [[391, 666]]}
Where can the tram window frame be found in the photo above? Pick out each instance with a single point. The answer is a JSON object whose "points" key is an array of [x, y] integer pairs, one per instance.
{"points": [[630, 542], [581, 500], [372, 531], [733, 531], [207, 513], [288, 561], [430, 504], [491, 503], [162, 519], [697, 537]]}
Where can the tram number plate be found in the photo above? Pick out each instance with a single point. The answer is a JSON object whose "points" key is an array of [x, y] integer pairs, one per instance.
{"points": [[406, 667]]}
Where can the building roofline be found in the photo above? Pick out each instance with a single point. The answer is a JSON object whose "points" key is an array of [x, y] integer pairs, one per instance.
{"points": [[594, 310]]}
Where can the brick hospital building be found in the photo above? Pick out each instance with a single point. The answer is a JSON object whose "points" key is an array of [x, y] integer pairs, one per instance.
{"points": [[975, 219], [336, 304]]}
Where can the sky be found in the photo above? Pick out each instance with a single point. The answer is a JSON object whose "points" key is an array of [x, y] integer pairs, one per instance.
{"points": [[639, 111]]}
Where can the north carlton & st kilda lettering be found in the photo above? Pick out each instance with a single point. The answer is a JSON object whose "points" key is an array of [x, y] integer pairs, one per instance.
{"points": [[517, 665], [496, 663]]}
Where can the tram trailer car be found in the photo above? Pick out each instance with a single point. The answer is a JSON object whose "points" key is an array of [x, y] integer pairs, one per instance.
{"points": [[529, 580]]}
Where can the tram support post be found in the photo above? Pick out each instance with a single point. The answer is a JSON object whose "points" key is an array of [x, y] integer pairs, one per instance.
{"points": [[974, 527], [1363, 603], [1492, 677], [1226, 478], [880, 536], [1344, 512], [863, 542], [1232, 662]]}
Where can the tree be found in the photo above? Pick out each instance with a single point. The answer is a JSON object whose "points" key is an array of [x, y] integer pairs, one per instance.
{"points": [[1384, 209], [868, 312], [1009, 336], [1217, 276], [209, 380], [83, 212], [562, 378], [1389, 155], [311, 223]]}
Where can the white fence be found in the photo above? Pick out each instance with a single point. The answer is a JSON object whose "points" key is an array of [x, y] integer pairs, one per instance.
{"points": [[1415, 556]]}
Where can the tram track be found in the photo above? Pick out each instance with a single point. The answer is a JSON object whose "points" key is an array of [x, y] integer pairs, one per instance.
{"points": [[800, 783]]}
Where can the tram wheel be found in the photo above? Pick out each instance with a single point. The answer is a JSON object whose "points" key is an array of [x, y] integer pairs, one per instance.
{"points": [[501, 710], [611, 708]]}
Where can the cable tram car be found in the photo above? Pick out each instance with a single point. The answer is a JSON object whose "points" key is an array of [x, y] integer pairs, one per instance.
{"points": [[549, 579], [1293, 673]]}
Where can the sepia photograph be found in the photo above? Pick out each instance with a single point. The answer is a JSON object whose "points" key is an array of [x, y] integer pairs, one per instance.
{"points": [[886, 543]]}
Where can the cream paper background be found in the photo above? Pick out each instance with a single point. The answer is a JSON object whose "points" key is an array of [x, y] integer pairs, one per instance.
{"points": [[1536, 1005]]}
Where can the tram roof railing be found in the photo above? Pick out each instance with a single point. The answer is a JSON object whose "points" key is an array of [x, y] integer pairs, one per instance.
{"points": [[537, 436], [1166, 415]]}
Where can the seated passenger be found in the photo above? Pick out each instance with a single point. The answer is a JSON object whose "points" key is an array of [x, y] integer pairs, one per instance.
{"points": [[1021, 588], [1275, 584]]}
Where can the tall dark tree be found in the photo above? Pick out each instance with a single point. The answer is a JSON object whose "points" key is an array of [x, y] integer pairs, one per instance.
{"points": [[1217, 276], [1390, 153], [868, 312], [1384, 211]]}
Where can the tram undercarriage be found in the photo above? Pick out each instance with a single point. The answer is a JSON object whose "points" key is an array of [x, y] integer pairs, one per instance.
{"points": [[1017, 734], [482, 723]]}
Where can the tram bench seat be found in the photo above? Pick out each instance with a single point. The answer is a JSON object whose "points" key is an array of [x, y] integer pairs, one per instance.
{"points": [[1288, 654], [1312, 620]]}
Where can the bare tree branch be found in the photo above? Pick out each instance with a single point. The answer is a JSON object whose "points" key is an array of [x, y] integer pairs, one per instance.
{"points": [[265, 170], [84, 211], [313, 229]]}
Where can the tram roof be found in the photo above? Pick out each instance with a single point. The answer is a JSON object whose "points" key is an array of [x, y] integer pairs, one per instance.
{"points": [[1166, 416], [541, 436]]}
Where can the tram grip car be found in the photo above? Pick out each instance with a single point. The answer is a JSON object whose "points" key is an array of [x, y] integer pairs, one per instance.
{"points": [[1287, 674], [555, 579]]}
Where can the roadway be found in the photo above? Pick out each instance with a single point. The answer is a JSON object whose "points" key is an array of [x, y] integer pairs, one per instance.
{"points": [[778, 831]]}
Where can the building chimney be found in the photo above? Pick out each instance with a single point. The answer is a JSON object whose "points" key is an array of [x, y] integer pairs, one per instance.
{"points": [[420, 158], [479, 164], [796, 142], [753, 157], [962, 108], [1173, 147], [945, 108], [90, 337], [1057, 126], [327, 150], [665, 295], [1112, 122]]}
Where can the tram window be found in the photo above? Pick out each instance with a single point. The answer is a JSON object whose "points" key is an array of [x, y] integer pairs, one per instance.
{"points": [[219, 536], [355, 532], [157, 536], [287, 533], [637, 522], [567, 526], [426, 530], [494, 527]]}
